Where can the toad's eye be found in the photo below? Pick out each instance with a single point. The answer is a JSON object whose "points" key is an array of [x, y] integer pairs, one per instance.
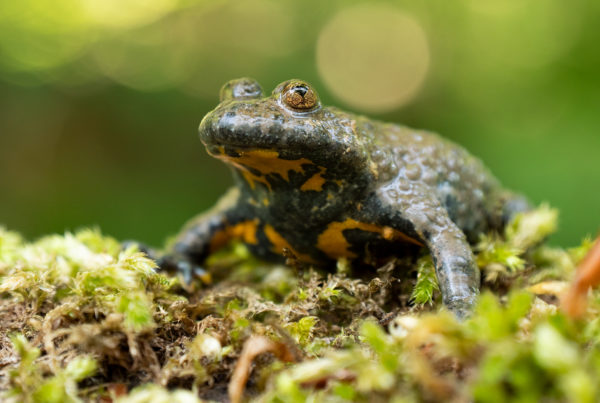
{"points": [[299, 96]]}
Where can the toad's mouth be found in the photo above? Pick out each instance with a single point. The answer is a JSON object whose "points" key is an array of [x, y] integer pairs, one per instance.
{"points": [[256, 165], [231, 150]]}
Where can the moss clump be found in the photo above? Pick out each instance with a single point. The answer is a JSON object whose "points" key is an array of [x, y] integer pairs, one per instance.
{"points": [[81, 319], [29, 384]]}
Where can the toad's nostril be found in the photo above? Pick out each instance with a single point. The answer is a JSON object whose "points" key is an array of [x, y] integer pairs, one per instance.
{"points": [[241, 88]]}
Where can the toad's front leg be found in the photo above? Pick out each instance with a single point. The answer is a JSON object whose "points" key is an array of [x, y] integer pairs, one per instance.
{"points": [[414, 210], [209, 232], [457, 272]]}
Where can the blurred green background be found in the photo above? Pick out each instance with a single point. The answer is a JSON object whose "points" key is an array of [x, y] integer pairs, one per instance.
{"points": [[100, 99]]}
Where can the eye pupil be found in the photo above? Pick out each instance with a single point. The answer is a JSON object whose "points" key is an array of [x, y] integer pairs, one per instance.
{"points": [[301, 90]]}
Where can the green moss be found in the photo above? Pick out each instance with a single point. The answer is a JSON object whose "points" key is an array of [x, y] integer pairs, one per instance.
{"points": [[426, 283], [29, 384], [302, 330], [156, 394], [502, 256], [96, 321]]}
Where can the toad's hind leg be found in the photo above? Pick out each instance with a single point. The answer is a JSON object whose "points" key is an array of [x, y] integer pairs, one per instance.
{"points": [[457, 274], [504, 205], [513, 203]]}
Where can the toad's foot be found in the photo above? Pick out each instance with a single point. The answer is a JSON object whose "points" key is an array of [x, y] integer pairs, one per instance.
{"points": [[187, 270], [172, 263], [457, 273]]}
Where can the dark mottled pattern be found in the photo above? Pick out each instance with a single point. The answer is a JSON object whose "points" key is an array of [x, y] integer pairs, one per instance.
{"points": [[368, 178]]}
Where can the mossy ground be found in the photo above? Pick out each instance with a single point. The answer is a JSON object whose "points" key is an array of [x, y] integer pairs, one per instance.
{"points": [[80, 319]]}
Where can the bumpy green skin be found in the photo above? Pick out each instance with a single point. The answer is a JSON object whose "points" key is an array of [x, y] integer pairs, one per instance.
{"points": [[321, 183]]}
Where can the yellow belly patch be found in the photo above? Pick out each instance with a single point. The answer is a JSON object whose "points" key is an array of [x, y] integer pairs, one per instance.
{"points": [[280, 243], [334, 244], [268, 162], [244, 231], [315, 182]]}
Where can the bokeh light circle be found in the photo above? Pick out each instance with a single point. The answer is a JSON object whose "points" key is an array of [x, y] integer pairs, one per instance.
{"points": [[373, 57], [127, 13], [35, 35], [547, 31]]}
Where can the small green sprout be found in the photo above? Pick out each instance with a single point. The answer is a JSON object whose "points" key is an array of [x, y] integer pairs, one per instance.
{"points": [[496, 256], [503, 256], [330, 293], [426, 283], [302, 330]]}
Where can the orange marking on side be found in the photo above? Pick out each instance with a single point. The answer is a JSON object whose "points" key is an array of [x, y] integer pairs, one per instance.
{"points": [[280, 243], [264, 161], [335, 245], [268, 162], [244, 231], [315, 182], [251, 178]]}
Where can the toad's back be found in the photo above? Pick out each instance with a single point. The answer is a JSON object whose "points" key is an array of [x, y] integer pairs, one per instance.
{"points": [[410, 162]]}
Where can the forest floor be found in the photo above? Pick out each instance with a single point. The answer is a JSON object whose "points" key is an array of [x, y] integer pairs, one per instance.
{"points": [[83, 320]]}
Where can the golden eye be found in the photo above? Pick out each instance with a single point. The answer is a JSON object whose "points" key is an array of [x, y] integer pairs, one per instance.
{"points": [[300, 96]]}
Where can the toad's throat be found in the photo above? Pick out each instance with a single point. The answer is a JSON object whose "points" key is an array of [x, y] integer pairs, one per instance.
{"points": [[256, 165]]}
